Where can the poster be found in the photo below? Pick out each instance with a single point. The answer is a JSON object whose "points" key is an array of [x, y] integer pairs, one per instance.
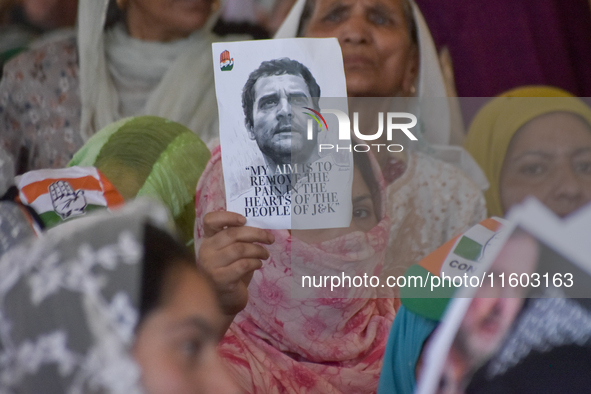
{"points": [[269, 96], [527, 326]]}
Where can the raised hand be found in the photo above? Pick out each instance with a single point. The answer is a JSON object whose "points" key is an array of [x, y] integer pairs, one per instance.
{"points": [[228, 253], [65, 201]]}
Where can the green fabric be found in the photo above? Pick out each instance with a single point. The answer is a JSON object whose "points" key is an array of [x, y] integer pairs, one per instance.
{"points": [[150, 156], [405, 343], [7, 55], [52, 219], [86, 156], [173, 182], [423, 301]]}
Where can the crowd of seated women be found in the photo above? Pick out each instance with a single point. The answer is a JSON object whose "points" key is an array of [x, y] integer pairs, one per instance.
{"points": [[112, 302]]}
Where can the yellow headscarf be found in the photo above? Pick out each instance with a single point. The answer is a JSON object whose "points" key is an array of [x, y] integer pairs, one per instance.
{"points": [[497, 122]]}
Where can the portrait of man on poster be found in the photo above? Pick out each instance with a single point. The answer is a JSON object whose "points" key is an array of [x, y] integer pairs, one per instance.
{"points": [[274, 101]]}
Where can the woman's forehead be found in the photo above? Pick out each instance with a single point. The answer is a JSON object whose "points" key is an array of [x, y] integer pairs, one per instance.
{"points": [[390, 4], [556, 131]]}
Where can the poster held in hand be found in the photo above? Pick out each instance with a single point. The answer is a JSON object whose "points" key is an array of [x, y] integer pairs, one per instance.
{"points": [[270, 95]]}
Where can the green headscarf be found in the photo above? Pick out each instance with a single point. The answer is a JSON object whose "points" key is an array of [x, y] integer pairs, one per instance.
{"points": [[150, 156]]}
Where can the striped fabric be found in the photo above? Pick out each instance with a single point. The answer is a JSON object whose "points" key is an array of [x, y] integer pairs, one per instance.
{"points": [[61, 194]]}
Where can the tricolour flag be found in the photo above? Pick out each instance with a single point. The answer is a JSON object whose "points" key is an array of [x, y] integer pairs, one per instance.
{"points": [[61, 194]]}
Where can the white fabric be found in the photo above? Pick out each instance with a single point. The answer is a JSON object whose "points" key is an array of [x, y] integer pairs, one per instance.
{"points": [[69, 305], [137, 66], [428, 205], [430, 82], [184, 94], [460, 157], [435, 116], [289, 27]]}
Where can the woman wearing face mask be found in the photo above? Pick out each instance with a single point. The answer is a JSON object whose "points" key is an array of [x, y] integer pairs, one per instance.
{"points": [[125, 60], [388, 52], [108, 304], [279, 340]]}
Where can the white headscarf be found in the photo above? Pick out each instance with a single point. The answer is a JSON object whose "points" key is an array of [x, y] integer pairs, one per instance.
{"points": [[69, 305], [185, 94], [438, 119]]}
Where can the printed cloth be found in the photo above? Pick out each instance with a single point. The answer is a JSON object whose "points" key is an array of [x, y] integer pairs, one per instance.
{"points": [[40, 107], [62, 194], [55, 97], [309, 344], [430, 203], [16, 226], [69, 306]]}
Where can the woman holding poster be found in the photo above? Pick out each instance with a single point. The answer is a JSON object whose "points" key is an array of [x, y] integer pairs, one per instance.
{"points": [[280, 341]]}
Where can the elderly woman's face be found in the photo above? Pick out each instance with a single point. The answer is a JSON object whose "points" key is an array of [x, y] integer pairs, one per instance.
{"points": [[380, 59], [166, 20], [549, 158]]}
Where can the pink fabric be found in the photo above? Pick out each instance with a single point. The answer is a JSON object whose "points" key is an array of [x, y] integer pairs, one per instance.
{"points": [[283, 344]]}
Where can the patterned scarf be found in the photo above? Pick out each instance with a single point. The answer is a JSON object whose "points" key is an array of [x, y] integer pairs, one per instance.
{"points": [[290, 340], [69, 305]]}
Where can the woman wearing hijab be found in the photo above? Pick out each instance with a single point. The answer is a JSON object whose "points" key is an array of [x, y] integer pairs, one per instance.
{"points": [[150, 156], [536, 141], [297, 341], [531, 141], [514, 139], [136, 57], [134, 157], [394, 56], [92, 309], [388, 52]]}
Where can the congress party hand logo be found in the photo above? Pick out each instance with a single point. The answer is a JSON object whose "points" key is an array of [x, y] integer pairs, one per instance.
{"points": [[226, 64], [67, 202]]}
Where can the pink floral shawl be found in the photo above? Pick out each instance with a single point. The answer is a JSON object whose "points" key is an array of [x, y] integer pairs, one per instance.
{"points": [[283, 344]]}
